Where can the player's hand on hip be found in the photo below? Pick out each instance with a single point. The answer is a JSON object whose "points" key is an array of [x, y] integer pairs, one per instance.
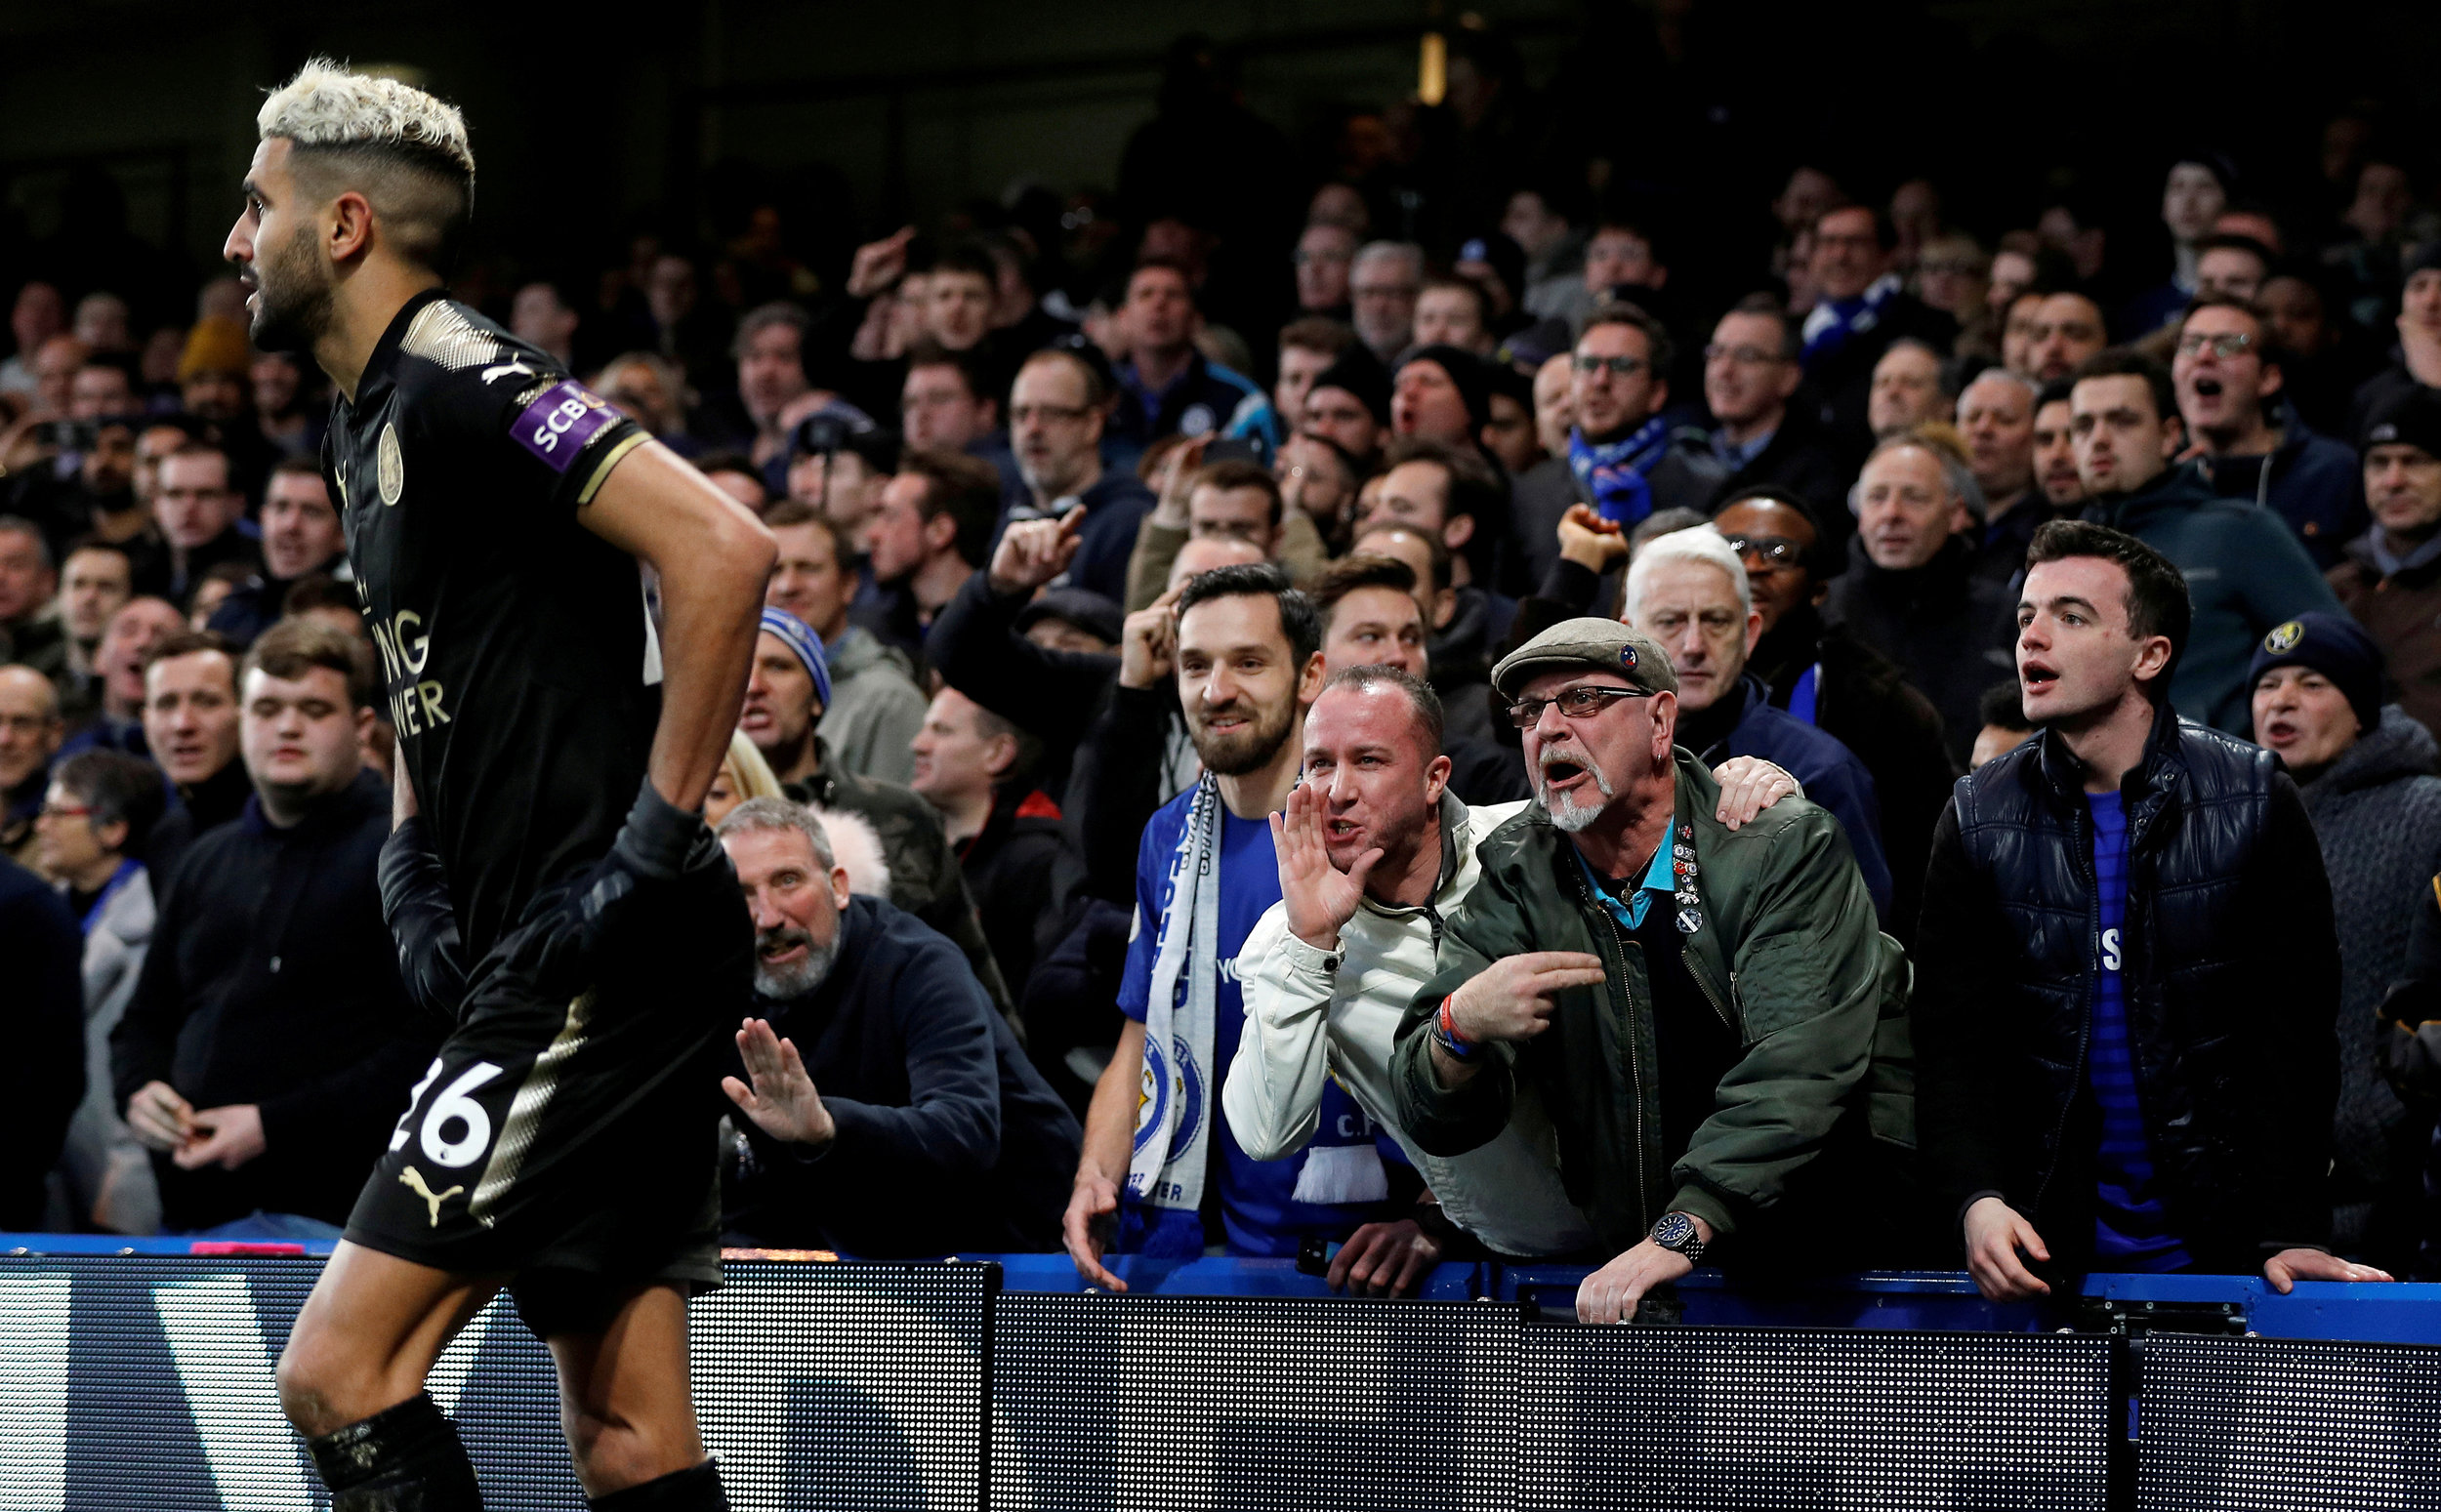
{"points": [[228, 1138], [1384, 1259], [779, 1095], [1511, 998], [1319, 898], [1995, 1233], [1093, 1209], [1611, 1294], [1749, 785], [161, 1119], [2290, 1266]]}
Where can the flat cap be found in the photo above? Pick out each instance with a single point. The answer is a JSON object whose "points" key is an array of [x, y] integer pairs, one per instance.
{"points": [[1594, 644]]}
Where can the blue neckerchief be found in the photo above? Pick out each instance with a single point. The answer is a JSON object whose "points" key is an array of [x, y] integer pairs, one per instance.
{"points": [[1834, 321], [1801, 696], [1660, 876], [1613, 471]]}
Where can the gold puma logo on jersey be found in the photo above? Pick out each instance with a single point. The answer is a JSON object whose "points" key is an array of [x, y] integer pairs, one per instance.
{"points": [[413, 1180]]}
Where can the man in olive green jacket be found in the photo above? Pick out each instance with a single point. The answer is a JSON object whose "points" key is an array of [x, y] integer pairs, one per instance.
{"points": [[1713, 1020]]}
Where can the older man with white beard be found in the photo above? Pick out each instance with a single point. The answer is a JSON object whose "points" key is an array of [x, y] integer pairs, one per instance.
{"points": [[908, 1081], [1709, 1017], [1374, 851]]}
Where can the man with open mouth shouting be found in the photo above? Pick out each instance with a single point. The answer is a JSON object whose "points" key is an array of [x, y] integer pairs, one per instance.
{"points": [[1707, 1015]]}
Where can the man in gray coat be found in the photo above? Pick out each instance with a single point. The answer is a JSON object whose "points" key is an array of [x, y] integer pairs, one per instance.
{"points": [[2365, 772]]}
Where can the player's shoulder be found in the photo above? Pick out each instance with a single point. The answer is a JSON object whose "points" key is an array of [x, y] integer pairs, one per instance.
{"points": [[449, 353]]}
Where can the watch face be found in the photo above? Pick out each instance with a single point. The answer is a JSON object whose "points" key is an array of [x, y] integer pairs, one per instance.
{"points": [[1673, 1230]]}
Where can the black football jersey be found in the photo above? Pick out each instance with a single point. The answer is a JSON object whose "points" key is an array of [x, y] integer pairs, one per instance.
{"points": [[519, 655]]}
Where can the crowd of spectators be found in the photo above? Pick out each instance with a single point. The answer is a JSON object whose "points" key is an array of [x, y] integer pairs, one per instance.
{"points": [[1412, 728]]}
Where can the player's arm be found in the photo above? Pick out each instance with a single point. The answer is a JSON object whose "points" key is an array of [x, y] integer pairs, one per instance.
{"points": [[712, 558]]}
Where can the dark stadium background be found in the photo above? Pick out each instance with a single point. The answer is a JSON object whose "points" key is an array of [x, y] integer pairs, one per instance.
{"points": [[592, 121]]}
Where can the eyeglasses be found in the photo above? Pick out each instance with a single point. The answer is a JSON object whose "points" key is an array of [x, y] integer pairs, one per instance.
{"points": [[2228, 343], [1776, 552], [1742, 357], [1574, 704], [1055, 414], [1622, 367]]}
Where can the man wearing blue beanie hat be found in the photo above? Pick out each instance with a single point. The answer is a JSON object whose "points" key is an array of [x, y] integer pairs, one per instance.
{"points": [[2366, 775], [786, 693]]}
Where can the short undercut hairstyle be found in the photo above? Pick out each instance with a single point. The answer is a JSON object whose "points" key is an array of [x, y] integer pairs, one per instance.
{"points": [[291, 648], [403, 149], [2157, 592], [1300, 620], [187, 642], [1421, 697]]}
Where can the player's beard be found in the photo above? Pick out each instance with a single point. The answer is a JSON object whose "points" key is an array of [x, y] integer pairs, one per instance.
{"points": [[1249, 750], [781, 983], [292, 299]]}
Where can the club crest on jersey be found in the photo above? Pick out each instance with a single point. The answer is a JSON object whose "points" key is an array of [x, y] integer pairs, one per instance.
{"points": [[390, 468]]}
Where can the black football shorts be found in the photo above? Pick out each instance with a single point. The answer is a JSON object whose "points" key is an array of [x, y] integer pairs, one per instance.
{"points": [[567, 1133]]}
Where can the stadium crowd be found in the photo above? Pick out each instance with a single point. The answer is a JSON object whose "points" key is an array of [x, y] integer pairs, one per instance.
{"points": [[1408, 727]]}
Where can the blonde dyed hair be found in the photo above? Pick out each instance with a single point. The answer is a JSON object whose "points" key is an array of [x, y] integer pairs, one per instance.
{"points": [[402, 148], [326, 106]]}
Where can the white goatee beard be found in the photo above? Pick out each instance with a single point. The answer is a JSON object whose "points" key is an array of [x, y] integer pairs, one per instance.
{"points": [[1567, 815]]}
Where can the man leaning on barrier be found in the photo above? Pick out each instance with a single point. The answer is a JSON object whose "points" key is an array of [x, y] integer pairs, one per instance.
{"points": [[1375, 851], [1710, 1017], [2129, 972]]}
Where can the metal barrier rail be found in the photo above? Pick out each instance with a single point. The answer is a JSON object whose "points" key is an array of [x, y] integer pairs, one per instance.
{"points": [[2380, 1313], [143, 1378]]}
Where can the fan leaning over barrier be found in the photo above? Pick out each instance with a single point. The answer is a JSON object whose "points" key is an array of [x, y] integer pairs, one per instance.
{"points": [[1375, 852], [1761, 1098]]}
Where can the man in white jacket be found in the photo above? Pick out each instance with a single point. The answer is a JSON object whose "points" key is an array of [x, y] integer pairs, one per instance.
{"points": [[1374, 853]]}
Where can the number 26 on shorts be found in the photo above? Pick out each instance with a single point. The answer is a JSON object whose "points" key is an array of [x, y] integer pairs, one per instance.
{"points": [[454, 1104]]}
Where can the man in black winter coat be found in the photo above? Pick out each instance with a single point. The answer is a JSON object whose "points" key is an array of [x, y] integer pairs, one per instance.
{"points": [[2128, 972], [1911, 590], [910, 1122], [1823, 675], [270, 1045], [975, 768], [45, 1020]]}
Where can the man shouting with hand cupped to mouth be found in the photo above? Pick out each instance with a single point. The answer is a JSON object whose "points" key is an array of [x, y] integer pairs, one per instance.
{"points": [[1709, 1017], [1373, 852]]}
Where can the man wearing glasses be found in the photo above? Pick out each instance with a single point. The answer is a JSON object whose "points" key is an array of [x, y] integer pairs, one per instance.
{"points": [[2251, 446], [1762, 440], [1710, 1018], [1057, 410], [1627, 460]]}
